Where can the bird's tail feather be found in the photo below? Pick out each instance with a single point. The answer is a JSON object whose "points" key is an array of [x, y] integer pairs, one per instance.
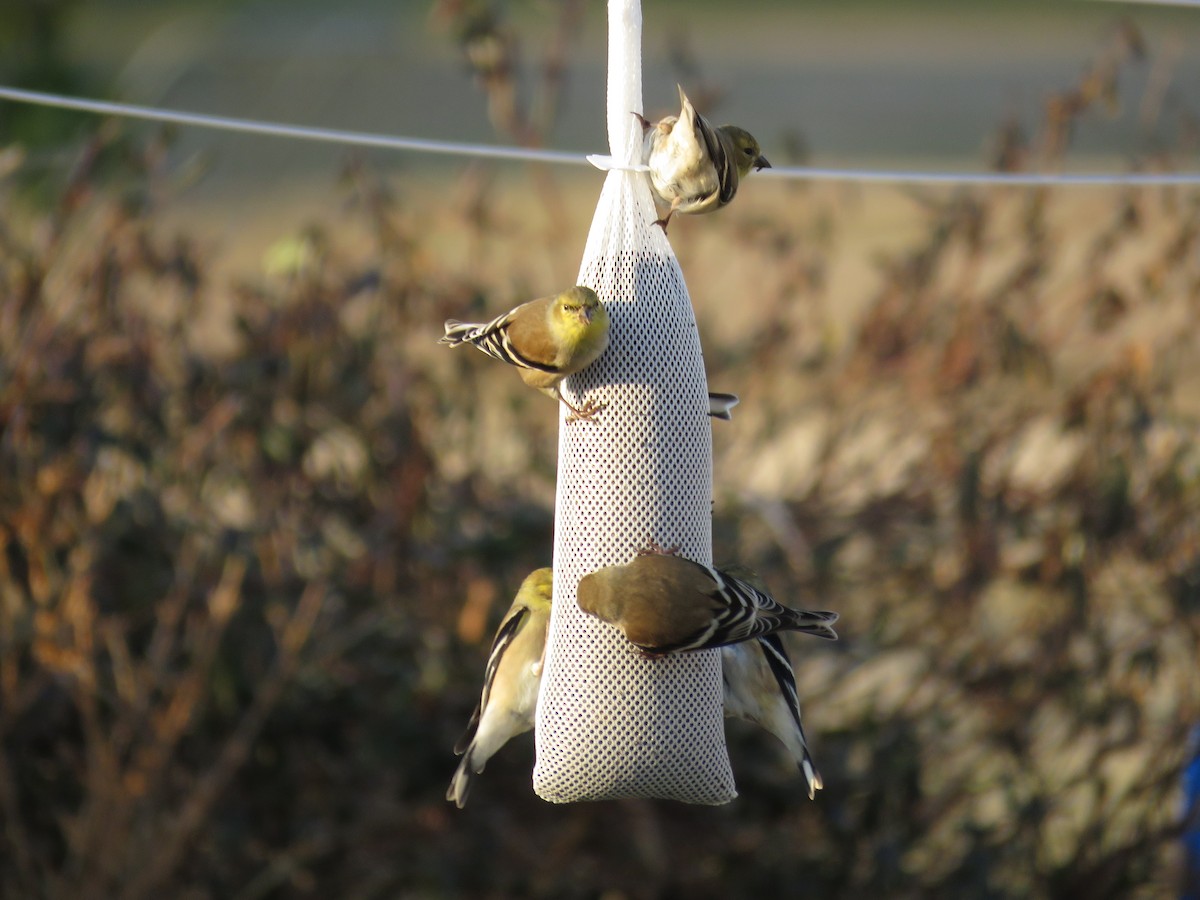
{"points": [[720, 406], [458, 332], [460, 784], [780, 664], [818, 623]]}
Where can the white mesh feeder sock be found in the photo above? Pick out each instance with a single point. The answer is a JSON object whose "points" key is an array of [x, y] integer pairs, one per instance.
{"points": [[610, 723]]}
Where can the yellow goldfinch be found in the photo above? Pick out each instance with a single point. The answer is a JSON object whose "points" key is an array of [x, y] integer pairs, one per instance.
{"points": [[695, 167], [668, 604], [720, 406], [510, 683], [760, 687], [546, 339]]}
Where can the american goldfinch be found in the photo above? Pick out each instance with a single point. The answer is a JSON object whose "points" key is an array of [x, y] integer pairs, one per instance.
{"points": [[668, 604], [760, 687], [546, 339], [720, 406], [510, 683], [693, 166]]}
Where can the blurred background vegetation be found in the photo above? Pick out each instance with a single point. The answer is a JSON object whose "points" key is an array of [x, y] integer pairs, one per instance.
{"points": [[256, 528]]}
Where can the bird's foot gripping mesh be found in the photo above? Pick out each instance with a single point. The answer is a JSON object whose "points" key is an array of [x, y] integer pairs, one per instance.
{"points": [[610, 723]]}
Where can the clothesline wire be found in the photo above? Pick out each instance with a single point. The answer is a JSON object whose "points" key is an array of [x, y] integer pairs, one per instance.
{"points": [[558, 157]]}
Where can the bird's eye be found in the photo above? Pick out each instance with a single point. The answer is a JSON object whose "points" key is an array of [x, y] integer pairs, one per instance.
{"points": [[749, 151]]}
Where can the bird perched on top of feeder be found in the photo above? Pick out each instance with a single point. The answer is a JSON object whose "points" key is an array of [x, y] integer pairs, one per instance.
{"points": [[694, 166]]}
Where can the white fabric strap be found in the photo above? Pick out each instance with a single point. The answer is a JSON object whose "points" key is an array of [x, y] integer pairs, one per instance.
{"points": [[611, 724], [611, 164]]}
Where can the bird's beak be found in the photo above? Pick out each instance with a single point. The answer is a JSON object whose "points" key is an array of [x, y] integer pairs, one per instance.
{"points": [[761, 163]]}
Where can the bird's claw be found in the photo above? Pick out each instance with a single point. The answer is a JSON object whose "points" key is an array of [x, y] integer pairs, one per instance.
{"points": [[584, 412], [654, 548], [649, 654]]}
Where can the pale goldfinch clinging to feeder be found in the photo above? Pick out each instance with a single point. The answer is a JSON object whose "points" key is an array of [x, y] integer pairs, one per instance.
{"points": [[668, 604], [760, 687], [694, 166], [510, 684], [546, 339]]}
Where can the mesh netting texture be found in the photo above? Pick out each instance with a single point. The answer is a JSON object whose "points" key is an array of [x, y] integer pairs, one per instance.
{"points": [[610, 723]]}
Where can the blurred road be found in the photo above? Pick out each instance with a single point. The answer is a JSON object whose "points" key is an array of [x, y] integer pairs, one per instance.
{"points": [[863, 83], [923, 84]]}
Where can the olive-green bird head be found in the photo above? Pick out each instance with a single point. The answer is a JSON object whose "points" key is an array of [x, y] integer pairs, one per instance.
{"points": [[747, 153], [537, 590], [580, 303]]}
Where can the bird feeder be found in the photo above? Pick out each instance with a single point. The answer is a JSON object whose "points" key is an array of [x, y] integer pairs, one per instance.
{"points": [[610, 723]]}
